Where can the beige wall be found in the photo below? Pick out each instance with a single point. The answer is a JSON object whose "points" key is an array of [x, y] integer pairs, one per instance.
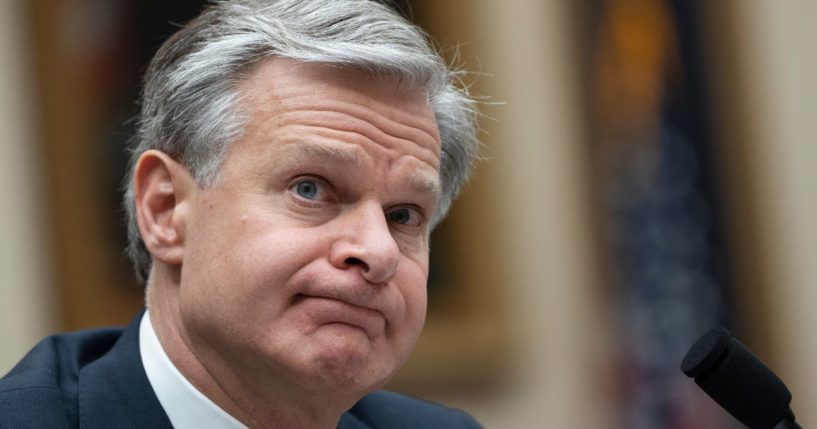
{"points": [[538, 149], [25, 304], [535, 147], [778, 59]]}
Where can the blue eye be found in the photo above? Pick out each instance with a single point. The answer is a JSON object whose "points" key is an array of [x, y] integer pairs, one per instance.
{"points": [[307, 189], [404, 216]]}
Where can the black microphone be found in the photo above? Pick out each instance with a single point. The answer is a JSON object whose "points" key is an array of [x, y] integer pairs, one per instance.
{"points": [[739, 382]]}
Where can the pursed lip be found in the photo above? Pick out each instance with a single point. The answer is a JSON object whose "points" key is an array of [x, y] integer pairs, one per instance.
{"points": [[328, 310]]}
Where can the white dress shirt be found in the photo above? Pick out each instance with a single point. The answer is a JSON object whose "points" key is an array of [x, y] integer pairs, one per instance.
{"points": [[186, 407]]}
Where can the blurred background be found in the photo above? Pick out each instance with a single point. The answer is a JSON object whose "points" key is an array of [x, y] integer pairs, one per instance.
{"points": [[649, 172]]}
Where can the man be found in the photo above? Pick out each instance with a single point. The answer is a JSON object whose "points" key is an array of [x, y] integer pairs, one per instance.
{"points": [[291, 159]]}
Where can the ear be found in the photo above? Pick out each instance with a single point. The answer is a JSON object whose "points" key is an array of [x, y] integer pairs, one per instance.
{"points": [[162, 192]]}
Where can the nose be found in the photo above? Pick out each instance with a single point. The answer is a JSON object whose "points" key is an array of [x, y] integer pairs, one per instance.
{"points": [[367, 243]]}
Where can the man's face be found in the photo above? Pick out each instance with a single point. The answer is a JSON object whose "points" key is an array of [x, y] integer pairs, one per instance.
{"points": [[306, 261]]}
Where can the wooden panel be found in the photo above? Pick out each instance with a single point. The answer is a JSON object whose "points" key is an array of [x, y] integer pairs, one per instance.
{"points": [[75, 83]]}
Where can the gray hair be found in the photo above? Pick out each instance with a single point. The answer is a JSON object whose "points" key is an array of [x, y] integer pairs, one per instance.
{"points": [[190, 101]]}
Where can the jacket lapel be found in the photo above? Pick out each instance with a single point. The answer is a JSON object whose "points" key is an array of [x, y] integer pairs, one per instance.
{"points": [[114, 391]]}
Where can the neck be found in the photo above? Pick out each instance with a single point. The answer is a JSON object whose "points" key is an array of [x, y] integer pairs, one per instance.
{"points": [[256, 399]]}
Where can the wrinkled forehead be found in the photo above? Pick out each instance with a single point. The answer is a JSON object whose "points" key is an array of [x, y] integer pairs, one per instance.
{"points": [[282, 83]]}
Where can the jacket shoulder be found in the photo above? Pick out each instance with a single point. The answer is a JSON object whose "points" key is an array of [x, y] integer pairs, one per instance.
{"points": [[41, 390], [383, 409]]}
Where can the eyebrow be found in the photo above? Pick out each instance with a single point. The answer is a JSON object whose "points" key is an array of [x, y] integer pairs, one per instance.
{"points": [[425, 184], [303, 151]]}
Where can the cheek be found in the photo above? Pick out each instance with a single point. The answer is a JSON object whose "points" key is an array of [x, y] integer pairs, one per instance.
{"points": [[239, 288], [244, 266], [414, 293]]}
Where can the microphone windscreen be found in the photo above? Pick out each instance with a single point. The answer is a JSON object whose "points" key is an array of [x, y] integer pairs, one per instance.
{"points": [[737, 380]]}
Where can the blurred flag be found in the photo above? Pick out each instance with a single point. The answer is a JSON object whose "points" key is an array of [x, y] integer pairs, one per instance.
{"points": [[656, 190]]}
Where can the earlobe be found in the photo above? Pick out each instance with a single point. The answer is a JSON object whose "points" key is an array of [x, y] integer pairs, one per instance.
{"points": [[162, 188]]}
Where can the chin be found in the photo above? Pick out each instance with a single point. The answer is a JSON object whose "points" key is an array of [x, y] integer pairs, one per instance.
{"points": [[350, 367]]}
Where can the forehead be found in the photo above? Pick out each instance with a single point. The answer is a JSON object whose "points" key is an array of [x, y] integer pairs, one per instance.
{"points": [[309, 111], [280, 85]]}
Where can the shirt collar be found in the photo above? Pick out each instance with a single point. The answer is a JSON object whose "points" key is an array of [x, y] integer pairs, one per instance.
{"points": [[185, 406]]}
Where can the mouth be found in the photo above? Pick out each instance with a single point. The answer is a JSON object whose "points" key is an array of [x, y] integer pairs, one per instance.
{"points": [[326, 311]]}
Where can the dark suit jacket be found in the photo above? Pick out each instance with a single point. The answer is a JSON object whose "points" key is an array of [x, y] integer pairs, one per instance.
{"points": [[95, 379]]}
